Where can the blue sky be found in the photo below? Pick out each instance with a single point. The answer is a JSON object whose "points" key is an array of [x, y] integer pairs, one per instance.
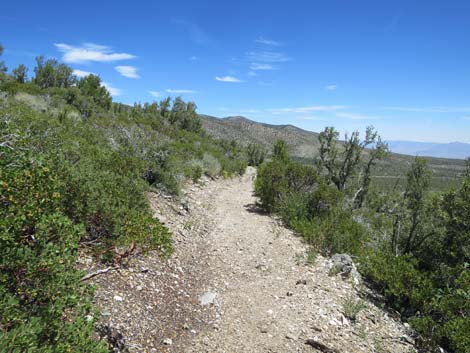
{"points": [[402, 66]]}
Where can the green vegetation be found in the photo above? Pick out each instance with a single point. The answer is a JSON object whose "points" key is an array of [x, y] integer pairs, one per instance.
{"points": [[256, 154], [75, 169], [412, 244], [388, 173], [352, 307]]}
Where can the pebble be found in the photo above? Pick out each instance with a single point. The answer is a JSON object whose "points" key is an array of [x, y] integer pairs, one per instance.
{"points": [[167, 341], [207, 298]]}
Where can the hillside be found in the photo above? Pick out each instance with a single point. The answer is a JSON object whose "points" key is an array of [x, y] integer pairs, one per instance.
{"points": [[456, 150], [303, 145]]}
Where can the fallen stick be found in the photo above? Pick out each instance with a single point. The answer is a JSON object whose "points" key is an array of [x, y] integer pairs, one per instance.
{"points": [[320, 346], [99, 272]]}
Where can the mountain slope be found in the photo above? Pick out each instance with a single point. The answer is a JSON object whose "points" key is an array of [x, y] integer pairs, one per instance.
{"points": [[303, 145], [440, 150]]}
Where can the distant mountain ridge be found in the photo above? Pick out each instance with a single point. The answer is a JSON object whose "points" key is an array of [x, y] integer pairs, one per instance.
{"points": [[457, 150], [304, 146], [301, 143]]}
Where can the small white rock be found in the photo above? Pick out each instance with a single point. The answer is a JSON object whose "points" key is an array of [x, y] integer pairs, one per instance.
{"points": [[118, 298], [167, 341]]}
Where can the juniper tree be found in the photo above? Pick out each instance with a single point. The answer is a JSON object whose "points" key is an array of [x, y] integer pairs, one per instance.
{"points": [[20, 73]]}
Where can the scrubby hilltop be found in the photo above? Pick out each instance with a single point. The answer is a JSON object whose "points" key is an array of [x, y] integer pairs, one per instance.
{"points": [[304, 146], [301, 143]]}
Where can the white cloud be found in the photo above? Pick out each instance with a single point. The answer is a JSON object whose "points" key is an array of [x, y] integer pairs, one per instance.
{"points": [[267, 56], [112, 90], [155, 94], [258, 66], [313, 108], [310, 117], [265, 41], [127, 71], [228, 79], [431, 109], [194, 58], [90, 52], [180, 91], [82, 73], [252, 73], [331, 87], [354, 116]]}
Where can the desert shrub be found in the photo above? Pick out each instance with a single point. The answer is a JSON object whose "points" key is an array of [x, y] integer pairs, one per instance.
{"points": [[211, 165], [334, 232], [147, 232], [435, 303], [13, 87], [255, 154], [352, 307], [270, 184], [233, 166], [293, 207], [43, 304], [194, 170]]}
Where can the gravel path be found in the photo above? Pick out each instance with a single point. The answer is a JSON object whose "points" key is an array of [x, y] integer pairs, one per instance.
{"points": [[238, 282], [268, 299]]}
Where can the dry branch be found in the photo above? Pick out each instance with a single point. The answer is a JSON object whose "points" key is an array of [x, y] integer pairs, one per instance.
{"points": [[99, 272], [320, 346]]}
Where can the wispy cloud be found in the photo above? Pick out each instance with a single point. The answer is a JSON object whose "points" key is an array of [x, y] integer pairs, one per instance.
{"points": [[267, 56], [313, 108], [431, 109], [252, 73], [196, 33], [90, 52], [228, 79], [112, 90], [81, 73], [127, 71], [310, 117], [265, 41], [331, 87], [194, 58], [155, 94], [258, 66], [354, 116], [181, 91]]}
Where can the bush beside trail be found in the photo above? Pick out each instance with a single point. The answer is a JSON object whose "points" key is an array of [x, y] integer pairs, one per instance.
{"points": [[412, 245]]}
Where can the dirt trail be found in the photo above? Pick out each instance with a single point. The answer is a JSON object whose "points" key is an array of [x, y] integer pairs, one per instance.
{"points": [[268, 298], [238, 282]]}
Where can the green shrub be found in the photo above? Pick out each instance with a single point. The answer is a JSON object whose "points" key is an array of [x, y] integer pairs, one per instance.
{"points": [[211, 165], [147, 232], [255, 154], [194, 171], [270, 184], [352, 307], [43, 303]]}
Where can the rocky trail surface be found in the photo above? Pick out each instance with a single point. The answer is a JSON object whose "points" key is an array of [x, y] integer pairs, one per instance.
{"points": [[238, 282]]}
